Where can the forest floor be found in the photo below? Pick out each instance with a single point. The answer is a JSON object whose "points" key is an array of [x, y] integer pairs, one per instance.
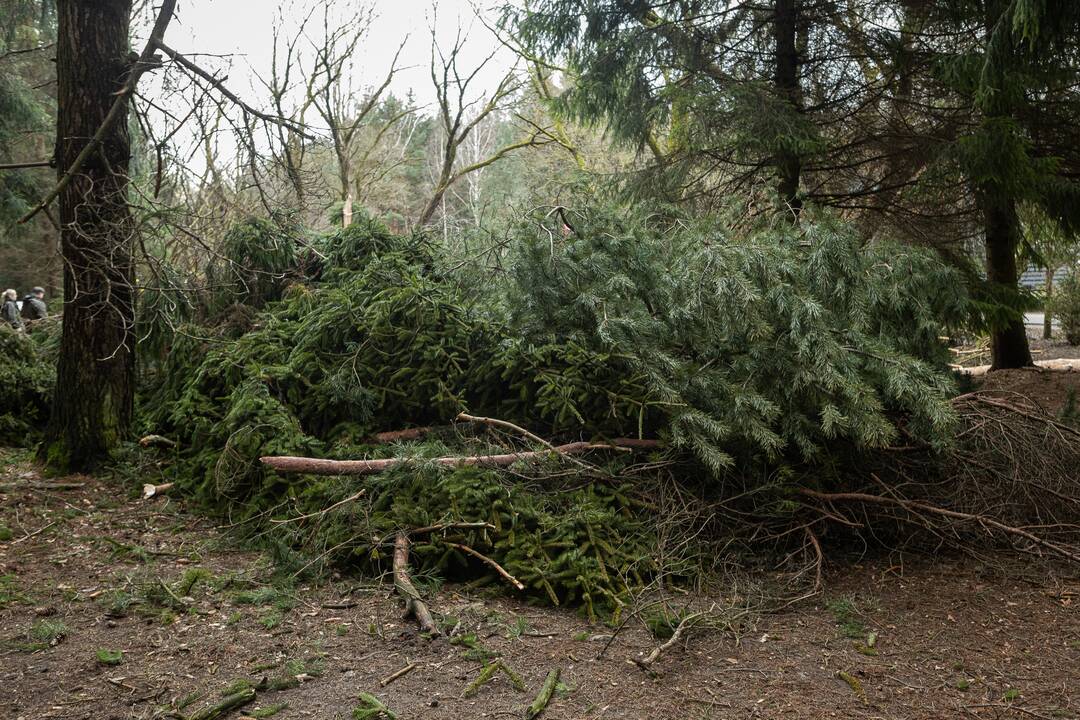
{"points": [[112, 606]]}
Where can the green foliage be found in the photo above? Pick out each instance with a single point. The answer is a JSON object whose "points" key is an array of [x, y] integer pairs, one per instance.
{"points": [[9, 590], [48, 632], [747, 353], [110, 657], [371, 708], [255, 263], [1065, 306], [27, 376], [782, 343]]}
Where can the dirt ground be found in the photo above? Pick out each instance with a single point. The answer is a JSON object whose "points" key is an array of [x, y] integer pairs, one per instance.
{"points": [[97, 621]]}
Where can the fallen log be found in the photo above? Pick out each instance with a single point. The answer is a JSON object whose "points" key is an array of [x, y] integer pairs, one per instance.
{"points": [[398, 435], [414, 605], [1060, 364], [317, 466]]}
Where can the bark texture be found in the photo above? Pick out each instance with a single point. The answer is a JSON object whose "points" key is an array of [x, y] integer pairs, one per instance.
{"points": [[1008, 344], [94, 396], [786, 78]]}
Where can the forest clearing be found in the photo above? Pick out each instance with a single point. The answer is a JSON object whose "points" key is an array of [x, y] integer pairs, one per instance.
{"points": [[550, 359]]}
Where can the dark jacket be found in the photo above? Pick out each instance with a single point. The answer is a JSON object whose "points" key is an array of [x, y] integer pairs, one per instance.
{"points": [[10, 314], [33, 308]]}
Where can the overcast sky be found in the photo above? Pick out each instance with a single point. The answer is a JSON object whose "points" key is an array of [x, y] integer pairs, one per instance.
{"points": [[244, 30]]}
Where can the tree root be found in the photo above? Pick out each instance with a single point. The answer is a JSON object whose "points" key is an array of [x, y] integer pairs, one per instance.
{"points": [[404, 586]]}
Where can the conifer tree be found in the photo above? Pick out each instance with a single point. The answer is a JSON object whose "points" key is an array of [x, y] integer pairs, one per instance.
{"points": [[1014, 64]]}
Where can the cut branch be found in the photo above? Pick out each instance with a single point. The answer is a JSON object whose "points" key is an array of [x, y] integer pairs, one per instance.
{"points": [[217, 83], [494, 565], [544, 696], [316, 466], [414, 605], [685, 624], [915, 507], [22, 165]]}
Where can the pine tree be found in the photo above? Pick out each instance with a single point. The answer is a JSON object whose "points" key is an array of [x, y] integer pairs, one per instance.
{"points": [[1013, 63]]}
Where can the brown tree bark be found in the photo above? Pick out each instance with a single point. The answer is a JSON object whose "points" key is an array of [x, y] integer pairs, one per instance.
{"points": [[786, 80], [1008, 344], [1048, 318], [94, 398]]}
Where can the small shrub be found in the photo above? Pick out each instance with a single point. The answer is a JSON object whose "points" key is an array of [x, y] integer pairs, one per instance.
{"points": [[48, 632]]}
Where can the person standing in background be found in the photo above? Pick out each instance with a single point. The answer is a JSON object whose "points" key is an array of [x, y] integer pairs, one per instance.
{"points": [[33, 307], [10, 310]]}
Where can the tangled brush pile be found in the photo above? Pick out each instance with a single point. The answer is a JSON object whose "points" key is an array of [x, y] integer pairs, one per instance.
{"points": [[748, 357]]}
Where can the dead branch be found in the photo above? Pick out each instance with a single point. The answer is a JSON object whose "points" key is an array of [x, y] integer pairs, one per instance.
{"points": [[414, 605], [235, 99], [319, 513], [225, 706], [394, 676], [452, 526], [685, 624], [149, 440], [150, 490], [819, 556], [316, 466], [398, 435], [915, 507], [145, 61], [494, 422], [24, 165], [494, 565], [1059, 364], [544, 696]]}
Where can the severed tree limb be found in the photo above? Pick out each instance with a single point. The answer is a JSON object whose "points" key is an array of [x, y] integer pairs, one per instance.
{"points": [[319, 513], [227, 705], [315, 466], [24, 165], [544, 696], [150, 490], [403, 584], [217, 83], [1059, 364], [484, 558], [145, 61], [495, 422], [452, 526], [395, 675], [406, 434], [819, 557], [915, 507]]}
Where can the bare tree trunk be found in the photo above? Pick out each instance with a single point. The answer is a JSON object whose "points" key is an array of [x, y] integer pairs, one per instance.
{"points": [[1048, 321], [94, 399], [786, 80], [1008, 344]]}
